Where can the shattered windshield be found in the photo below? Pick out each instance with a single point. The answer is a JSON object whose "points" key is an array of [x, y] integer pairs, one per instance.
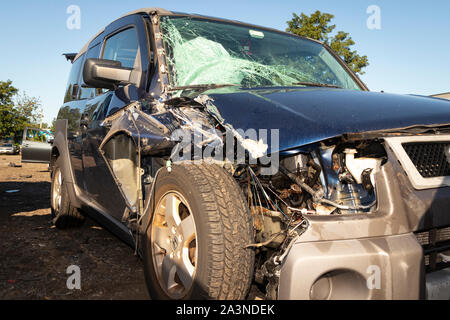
{"points": [[204, 52]]}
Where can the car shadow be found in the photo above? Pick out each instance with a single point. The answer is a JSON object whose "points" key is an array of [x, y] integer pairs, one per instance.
{"points": [[19, 197], [35, 255]]}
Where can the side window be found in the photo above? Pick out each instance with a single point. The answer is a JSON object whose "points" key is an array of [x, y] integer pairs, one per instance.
{"points": [[37, 135], [89, 93], [72, 85], [122, 47]]}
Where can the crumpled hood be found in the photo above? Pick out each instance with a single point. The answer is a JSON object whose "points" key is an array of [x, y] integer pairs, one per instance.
{"points": [[309, 115]]}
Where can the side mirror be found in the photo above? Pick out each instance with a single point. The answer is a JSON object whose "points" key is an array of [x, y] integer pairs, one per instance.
{"points": [[105, 74]]}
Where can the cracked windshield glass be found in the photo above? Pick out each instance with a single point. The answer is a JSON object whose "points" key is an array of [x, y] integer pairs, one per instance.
{"points": [[205, 52]]}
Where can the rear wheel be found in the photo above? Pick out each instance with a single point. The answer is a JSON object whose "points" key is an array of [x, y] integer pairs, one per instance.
{"points": [[195, 247], [63, 213]]}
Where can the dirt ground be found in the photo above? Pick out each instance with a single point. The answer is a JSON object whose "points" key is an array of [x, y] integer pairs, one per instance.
{"points": [[34, 256]]}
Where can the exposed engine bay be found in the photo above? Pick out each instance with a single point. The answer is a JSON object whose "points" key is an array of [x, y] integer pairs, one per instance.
{"points": [[335, 179]]}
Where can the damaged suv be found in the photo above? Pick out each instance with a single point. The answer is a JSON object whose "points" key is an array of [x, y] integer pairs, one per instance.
{"points": [[229, 155]]}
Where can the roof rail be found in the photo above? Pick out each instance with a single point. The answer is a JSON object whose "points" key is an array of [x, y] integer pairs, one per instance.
{"points": [[70, 56]]}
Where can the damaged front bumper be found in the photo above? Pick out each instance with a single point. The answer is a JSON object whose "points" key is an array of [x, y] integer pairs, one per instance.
{"points": [[377, 256], [374, 268]]}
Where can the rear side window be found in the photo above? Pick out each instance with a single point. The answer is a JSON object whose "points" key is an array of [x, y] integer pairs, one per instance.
{"points": [[89, 93], [122, 47], [72, 85]]}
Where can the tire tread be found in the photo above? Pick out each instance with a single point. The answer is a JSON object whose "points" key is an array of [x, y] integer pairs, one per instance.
{"points": [[231, 230]]}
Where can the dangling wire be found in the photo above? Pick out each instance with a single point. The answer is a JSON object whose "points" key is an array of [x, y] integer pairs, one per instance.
{"points": [[256, 197], [266, 196]]}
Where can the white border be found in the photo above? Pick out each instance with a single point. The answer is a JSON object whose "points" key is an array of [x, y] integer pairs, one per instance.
{"points": [[416, 179]]}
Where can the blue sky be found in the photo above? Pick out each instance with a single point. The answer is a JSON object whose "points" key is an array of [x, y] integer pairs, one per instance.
{"points": [[410, 54]]}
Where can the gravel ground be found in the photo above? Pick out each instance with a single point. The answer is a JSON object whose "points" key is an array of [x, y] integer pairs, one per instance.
{"points": [[34, 256]]}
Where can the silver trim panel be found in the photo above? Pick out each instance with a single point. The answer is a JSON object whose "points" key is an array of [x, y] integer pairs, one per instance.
{"points": [[416, 179]]}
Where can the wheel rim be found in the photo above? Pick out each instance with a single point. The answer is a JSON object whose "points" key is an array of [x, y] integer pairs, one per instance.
{"points": [[57, 183], [174, 245]]}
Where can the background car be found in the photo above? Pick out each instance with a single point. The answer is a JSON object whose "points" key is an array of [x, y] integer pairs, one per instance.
{"points": [[9, 148]]}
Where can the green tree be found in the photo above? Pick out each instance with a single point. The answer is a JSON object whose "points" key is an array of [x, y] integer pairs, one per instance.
{"points": [[318, 26], [52, 128], [28, 108], [7, 93], [7, 112], [16, 111]]}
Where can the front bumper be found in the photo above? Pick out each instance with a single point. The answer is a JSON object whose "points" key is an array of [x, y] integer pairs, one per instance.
{"points": [[388, 267], [9, 152]]}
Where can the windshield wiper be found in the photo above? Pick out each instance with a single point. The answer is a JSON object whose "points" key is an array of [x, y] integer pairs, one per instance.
{"points": [[202, 87], [317, 84]]}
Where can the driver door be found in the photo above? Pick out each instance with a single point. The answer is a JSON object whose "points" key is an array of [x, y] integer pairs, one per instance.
{"points": [[36, 146], [125, 41]]}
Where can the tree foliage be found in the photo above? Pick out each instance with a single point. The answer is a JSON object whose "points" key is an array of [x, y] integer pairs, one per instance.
{"points": [[17, 111], [7, 92], [27, 108], [318, 26]]}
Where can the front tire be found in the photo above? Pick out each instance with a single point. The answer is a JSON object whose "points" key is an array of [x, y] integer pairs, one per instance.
{"points": [[64, 215], [195, 247]]}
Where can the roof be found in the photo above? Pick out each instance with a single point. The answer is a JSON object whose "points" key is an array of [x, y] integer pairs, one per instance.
{"points": [[162, 11], [143, 10]]}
